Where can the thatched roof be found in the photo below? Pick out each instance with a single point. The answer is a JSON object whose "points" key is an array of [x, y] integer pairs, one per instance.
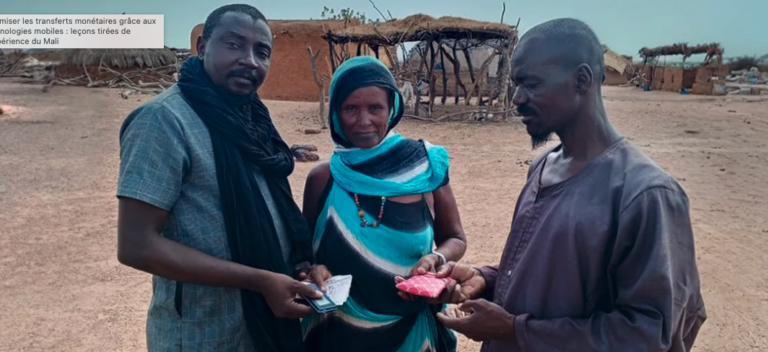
{"points": [[316, 25], [120, 58], [615, 61], [421, 27], [53, 55], [684, 49]]}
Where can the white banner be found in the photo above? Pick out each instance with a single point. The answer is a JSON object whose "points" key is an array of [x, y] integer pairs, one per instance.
{"points": [[82, 31]]}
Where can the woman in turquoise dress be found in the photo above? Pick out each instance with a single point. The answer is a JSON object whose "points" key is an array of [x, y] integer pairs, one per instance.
{"points": [[381, 208]]}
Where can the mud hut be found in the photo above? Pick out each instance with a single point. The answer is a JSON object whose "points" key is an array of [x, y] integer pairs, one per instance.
{"points": [[616, 67], [435, 33], [696, 79], [291, 77]]}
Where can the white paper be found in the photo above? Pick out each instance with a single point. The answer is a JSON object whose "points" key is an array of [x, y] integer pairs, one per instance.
{"points": [[337, 288]]}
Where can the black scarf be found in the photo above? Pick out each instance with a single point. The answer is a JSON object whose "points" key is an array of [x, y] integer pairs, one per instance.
{"points": [[242, 141]]}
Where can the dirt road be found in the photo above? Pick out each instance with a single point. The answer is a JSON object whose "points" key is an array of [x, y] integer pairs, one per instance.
{"points": [[62, 288]]}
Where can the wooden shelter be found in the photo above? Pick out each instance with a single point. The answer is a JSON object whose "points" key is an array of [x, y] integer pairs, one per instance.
{"points": [[713, 50], [458, 33], [142, 70], [698, 80], [421, 27], [466, 60]]}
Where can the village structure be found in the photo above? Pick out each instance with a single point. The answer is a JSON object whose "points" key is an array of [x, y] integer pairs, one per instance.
{"points": [[454, 68]]}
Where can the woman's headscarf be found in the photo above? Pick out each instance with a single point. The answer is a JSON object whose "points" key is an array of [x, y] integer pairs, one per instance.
{"points": [[355, 73], [397, 165]]}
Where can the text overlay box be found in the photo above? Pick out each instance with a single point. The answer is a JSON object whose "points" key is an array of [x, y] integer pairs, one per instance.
{"points": [[82, 31]]}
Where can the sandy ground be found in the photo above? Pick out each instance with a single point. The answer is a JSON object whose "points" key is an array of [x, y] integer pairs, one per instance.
{"points": [[62, 288]]}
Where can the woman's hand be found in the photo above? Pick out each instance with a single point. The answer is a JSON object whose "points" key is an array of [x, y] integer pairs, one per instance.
{"points": [[427, 264], [317, 274]]}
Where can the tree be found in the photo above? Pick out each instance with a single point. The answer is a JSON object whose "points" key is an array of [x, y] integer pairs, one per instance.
{"points": [[345, 14]]}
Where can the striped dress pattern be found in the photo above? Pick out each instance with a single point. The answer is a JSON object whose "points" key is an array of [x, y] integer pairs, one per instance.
{"points": [[374, 317]]}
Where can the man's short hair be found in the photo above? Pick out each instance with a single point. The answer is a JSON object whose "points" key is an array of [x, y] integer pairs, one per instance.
{"points": [[577, 42], [213, 19]]}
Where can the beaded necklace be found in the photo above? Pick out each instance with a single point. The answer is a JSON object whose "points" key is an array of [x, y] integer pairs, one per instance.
{"points": [[361, 213]]}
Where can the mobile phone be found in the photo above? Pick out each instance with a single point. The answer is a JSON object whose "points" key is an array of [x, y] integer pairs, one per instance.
{"points": [[320, 305]]}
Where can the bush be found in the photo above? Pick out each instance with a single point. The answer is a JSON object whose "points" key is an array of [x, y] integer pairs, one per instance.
{"points": [[743, 63]]}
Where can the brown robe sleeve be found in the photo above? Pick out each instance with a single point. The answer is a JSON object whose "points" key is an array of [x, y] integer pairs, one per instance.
{"points": [[653, 271], [489, 273]]}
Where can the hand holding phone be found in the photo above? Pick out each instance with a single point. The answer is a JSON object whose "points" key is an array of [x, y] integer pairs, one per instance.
{"points": [[320, 305], [281, 296]]}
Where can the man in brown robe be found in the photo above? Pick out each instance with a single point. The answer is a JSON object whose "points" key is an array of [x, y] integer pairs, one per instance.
{"points": [[601, 253]]}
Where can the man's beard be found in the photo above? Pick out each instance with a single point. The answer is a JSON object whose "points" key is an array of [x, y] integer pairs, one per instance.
{"points": [[540, 137], [539, 140]]}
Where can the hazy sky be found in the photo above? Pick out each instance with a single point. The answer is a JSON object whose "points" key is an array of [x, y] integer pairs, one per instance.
{"points": [[625, 26]]}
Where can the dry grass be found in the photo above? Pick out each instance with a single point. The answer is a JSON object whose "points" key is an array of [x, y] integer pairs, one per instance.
{"points": [[120, 58], [419, 27]]}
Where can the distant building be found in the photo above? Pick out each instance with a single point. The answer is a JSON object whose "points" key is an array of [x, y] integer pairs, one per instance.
{"points": [[615, 67], [290, 76]]}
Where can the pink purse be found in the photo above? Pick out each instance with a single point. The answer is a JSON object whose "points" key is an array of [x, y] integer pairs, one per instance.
{"points": [[424, 285]]}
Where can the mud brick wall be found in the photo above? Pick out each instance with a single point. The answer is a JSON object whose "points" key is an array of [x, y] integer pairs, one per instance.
{"points": [[689, 77], [705, 88], [703, 83], [614, 78], [697, 80], [672, 79], [290, 75], [706, 73]]}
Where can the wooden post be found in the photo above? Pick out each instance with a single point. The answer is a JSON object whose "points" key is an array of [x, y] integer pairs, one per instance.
{"points": [[504, 73], [418, 80], [375, 49], [320, 81], [445, 74], [457, 72], [471, 74], [498, 86], [332, 53], [482, 73], [391, 61], [431, 76]]}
